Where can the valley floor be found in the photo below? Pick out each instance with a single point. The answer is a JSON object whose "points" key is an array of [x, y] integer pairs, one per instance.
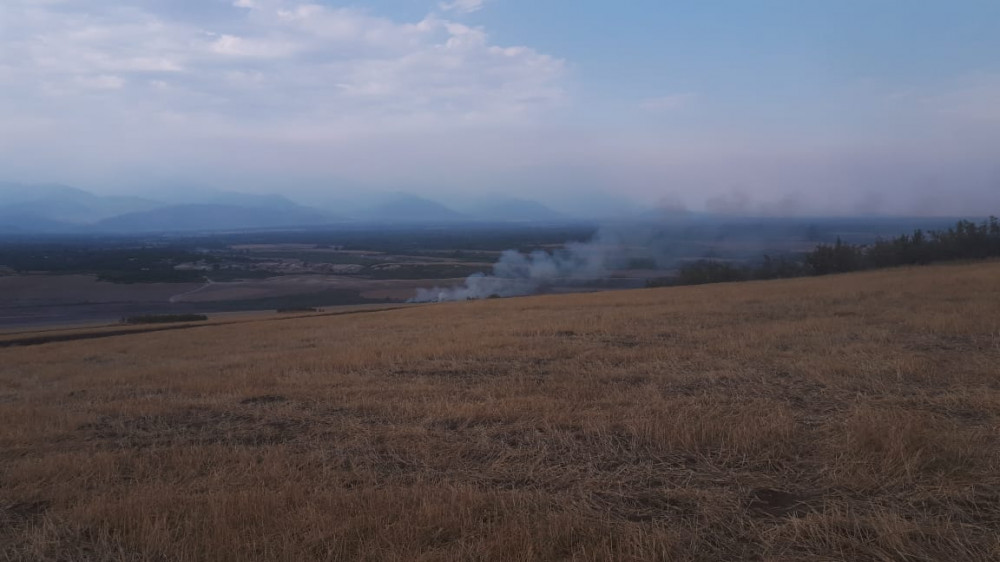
{"points": [[850, 417]]}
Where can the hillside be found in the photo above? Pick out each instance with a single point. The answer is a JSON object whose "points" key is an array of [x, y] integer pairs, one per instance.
{"points": [[59, 208], [212, 217], [403, 208], [512, 209], [843, 417]]}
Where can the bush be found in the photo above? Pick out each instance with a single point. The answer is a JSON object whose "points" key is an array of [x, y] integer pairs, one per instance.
{"points": [[966, 240], [163, 318], [711, 271]]}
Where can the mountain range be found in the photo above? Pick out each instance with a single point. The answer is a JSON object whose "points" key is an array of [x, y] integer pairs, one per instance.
{"points": [[51, 208]]}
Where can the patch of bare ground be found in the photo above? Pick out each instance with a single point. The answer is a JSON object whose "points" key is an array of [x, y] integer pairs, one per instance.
{"points": [[843, 418]]}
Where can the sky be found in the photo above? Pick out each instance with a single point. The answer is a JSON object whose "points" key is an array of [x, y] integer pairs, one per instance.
{"points": [[770, 107]]}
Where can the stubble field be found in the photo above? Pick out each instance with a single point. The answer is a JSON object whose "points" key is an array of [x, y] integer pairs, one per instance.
{"points": [[848, 417]]}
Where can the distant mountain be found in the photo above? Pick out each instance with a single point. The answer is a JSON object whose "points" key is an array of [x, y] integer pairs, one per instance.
{"points": [[63, 204], [204, 217], [511, 209], [22, 192], [194, 194], [30, 224], [252, 200], [338, 205], [52, 208], [406, 208], [593, 204]]}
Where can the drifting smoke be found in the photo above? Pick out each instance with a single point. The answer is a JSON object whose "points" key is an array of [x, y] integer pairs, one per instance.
{"points": [[655, 245], [517, 274]]}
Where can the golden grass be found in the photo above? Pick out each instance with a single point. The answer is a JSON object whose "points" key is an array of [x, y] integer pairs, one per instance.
{"points": [[848, 417], [21, 336]]}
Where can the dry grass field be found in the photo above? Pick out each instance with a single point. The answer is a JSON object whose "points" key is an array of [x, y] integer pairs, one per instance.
{"points": [[849, 417]]}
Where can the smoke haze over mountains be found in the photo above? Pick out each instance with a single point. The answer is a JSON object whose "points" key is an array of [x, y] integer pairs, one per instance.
{"points": [[801, 108]]}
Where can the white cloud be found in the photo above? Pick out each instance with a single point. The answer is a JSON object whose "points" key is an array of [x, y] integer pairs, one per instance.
{"points": [[462, 6], [261, 49], [667, 103], [269, 64], [103, 82], [252, 92]]}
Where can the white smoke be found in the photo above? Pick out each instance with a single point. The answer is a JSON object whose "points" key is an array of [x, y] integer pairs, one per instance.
{"points": [[517, 274], [653, 244]]}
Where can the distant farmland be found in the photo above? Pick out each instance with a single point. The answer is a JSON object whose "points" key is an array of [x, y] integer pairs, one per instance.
{"points": [[847, 417]]}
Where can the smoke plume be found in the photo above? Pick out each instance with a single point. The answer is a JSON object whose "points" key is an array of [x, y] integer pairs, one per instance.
{"points": [[659, 244], [518, 274]]}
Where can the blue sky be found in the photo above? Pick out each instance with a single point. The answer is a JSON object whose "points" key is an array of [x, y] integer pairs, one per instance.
{"points": [[765, 106]]}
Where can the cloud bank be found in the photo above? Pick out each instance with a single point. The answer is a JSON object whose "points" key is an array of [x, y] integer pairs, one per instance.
{"points": [[275, 67], [276, 95], [463, 6]]}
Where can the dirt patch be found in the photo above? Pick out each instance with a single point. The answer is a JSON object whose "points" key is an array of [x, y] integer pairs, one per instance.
{"points": [[19, 514], [768, 502], [194, 427], [937, 343], [266, 399], [626, 342], [644, 506], [629, 380]]}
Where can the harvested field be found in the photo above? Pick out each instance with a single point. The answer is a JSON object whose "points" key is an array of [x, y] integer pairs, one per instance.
{"points": [[849, 417], [52, 301]]}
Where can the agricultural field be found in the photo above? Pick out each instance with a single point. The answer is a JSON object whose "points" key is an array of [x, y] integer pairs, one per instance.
{"points": [[845, 417], [52, 281], [60, 280]]}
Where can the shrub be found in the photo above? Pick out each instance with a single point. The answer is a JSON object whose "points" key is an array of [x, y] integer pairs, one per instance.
{"points": [[163, 318]]}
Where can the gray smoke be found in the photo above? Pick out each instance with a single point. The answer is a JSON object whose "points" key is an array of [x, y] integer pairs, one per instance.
{"points": [[518, 274], [658, 244]]}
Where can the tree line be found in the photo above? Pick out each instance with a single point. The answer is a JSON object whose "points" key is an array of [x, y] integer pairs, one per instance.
{"points": [[966, 240]]}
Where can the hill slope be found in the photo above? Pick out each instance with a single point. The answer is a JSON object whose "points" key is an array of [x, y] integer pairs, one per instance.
{"points": [[212, 217], [403, 208], [57, 208], [844, 417], [512, 209]]}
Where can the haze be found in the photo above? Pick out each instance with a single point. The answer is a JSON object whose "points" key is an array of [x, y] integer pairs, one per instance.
{"points": [[773, 107]]}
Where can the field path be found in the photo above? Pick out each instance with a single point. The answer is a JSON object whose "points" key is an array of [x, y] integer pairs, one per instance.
{"points": [[179, 296]]}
